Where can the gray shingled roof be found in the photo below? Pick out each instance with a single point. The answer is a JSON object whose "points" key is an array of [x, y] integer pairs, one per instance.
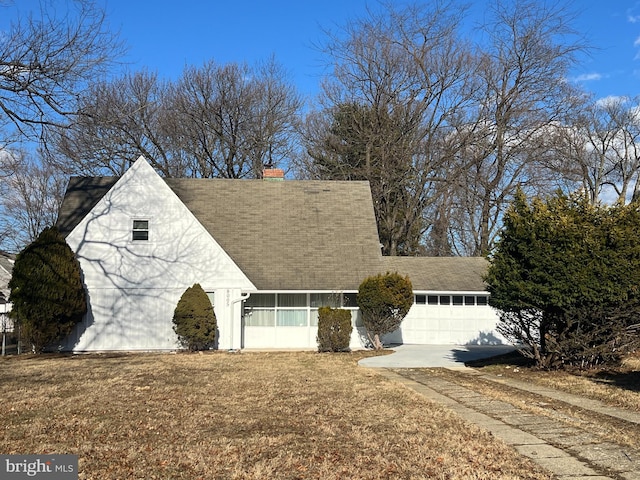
{"points": [[289, 235], [286, 235], [441, 274], [81, 196], [293, 234]]}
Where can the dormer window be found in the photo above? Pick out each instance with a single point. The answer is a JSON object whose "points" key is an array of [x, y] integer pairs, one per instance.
{"points": [[140, 230]]}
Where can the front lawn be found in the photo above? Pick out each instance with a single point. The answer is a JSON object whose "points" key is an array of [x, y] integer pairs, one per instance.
{"points": [[248, 415], [619, 387]]}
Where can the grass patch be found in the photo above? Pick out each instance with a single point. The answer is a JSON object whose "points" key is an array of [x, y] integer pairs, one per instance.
{"points": [[618, 387], [244, 416]]}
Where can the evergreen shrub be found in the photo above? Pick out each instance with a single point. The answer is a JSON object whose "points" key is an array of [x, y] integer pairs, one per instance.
{"points": [[194, 320], [384, 301], [334, 329], [46, 290]]}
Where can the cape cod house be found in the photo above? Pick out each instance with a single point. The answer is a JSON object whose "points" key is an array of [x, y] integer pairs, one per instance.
{"points": [[268, 253]]}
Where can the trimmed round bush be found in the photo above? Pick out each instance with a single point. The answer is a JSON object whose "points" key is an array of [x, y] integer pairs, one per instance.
{"points": [[194, 320]]}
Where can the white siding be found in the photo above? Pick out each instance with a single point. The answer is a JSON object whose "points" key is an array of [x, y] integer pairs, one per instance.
{"points": [[134, 286]]}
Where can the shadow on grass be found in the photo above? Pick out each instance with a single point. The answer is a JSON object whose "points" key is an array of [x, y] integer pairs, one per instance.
{"points": [[623, 378], [627, 380], [513, 358]]}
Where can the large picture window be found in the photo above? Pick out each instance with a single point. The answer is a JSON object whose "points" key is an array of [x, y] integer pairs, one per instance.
{"points": [[292, 318], [290, 309]]}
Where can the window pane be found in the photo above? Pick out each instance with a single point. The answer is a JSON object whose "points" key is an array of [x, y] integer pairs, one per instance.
{"points": [[421, 299], [457, 299], [141, 224], [260, 318], [313, 318], [482, 300], [325, 300], [292, 299], [261, 300], [470, 300], [432, 300], [292, 318], [445, 299], [349, 300], [140, 235]]}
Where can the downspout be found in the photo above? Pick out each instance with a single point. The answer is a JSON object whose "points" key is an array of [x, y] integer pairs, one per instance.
{"points": [[231, 303]]}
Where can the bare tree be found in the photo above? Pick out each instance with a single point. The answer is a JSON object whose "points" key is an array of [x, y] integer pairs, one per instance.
{"points": [[119, 121], [46, 59], [399, 80], [232, 119], [215, 121], [521, 94], [599, 150], [29, 201], [616, 130]]}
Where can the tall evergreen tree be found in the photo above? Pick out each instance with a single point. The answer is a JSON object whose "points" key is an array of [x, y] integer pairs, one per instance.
{"points": [[565, 276], [46, 290]]}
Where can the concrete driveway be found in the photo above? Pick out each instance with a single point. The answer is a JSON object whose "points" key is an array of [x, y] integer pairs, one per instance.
{"points": [[419, 356]]}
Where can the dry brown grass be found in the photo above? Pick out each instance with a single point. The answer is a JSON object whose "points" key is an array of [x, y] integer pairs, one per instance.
{"points": [[606, 427], [619, 387], [244, 416]]}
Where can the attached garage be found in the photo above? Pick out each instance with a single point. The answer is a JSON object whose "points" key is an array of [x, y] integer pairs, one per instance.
{"points": [[443, 318]]}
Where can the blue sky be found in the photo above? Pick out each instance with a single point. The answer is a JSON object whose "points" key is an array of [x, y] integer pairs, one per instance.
{"points": [[189, 32]]}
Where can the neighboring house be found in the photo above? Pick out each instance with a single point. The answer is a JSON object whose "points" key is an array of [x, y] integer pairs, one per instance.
{"points": [[268, 253], [6, 268]]}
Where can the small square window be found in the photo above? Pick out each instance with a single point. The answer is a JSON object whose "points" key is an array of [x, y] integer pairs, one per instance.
{"points": [[432, 300], [421, 299], [457, 299], [140, 230], [482, 300], [469, 300], [445, 300]]}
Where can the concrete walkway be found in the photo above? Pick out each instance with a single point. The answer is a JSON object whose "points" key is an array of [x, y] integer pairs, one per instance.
{"points": [[423, 356], [568, 452]]}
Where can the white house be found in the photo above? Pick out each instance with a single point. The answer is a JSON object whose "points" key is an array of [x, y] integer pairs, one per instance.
{"points": [[268, 253]]}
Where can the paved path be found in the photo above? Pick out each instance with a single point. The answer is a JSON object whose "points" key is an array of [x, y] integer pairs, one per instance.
{"points": [[569, 452], [416, 356]]}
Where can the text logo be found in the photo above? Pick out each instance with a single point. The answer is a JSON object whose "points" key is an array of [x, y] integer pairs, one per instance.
{"points": [[49, 467]]}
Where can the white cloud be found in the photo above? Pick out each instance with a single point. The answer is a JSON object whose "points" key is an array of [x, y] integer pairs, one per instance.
{"points": [[588, 77], [612, 99], [632, 14]]}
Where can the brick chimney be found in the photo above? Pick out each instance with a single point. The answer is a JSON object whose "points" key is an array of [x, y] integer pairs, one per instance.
{"points": [[272, 174]]}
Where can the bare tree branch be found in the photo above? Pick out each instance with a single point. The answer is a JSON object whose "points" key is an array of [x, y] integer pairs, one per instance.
{"points": [[46, 59]]}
